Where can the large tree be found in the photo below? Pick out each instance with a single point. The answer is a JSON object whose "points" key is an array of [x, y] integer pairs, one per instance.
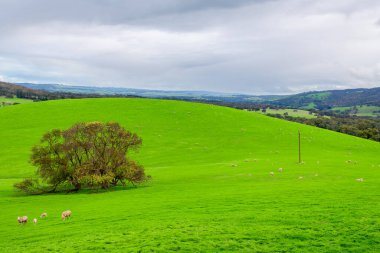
{"points": [[87, 155]]}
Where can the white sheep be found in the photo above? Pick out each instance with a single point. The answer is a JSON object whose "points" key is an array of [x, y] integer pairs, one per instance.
{"points": [[271, 173], [66, 214], [280, 169], [300, 177], [43, 215], [22, 219], [35, 220], [360, 179]]}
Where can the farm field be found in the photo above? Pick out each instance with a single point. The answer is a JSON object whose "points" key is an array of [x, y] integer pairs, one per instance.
{"points": [[13, 100], [211, 188], [362, 110], [291, 112]]}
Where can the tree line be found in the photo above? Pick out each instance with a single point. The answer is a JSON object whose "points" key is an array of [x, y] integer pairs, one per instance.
{"points": [[361, 127]]}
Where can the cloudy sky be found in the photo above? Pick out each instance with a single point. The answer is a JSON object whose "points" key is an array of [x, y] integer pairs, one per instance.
{"points": [[249, 46]]}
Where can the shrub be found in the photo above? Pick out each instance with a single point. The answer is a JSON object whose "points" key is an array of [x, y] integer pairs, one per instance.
{"points": [[90, 155], [30, 186]]}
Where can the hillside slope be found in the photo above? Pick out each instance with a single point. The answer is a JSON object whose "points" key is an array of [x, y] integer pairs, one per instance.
{"points": [[13, 90], [36, 93], [332, 98], [211, 188]]}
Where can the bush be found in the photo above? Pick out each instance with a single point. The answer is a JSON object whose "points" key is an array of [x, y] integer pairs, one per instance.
{"points": [[30, 186], [92, 155]]}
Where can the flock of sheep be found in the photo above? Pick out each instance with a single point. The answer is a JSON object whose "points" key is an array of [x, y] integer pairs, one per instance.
{"points": [[24, 219], [300, 177], [281, 169]]}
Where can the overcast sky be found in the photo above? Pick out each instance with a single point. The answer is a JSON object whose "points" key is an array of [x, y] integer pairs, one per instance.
{"points": [[249, 46]]}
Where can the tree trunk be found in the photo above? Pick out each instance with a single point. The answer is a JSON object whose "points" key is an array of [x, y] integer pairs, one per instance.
{"points": [[77, 186]]}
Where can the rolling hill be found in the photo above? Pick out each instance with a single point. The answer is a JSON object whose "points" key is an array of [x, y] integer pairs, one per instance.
{"points": [[332, 98], [10, 90], [13, 90], [211, 189]]}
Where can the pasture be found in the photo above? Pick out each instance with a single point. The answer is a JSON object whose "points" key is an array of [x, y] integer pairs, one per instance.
{"points": [[291, 112], [5, 100], [362, 110], [211, 188]]}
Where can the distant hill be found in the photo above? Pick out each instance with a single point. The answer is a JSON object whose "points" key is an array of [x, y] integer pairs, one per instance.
{"points": [[37, 93], [182, 95], [334, 98], [11, 90], [333, 101]]}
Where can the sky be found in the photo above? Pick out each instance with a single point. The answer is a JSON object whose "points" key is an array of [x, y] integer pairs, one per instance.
{"points": [[239, 46]]}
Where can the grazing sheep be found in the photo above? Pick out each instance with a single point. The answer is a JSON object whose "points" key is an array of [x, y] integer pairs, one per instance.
{"points": [[271, 173], [360, 179], [300, 177], [280, 169], [22, 220], [348, 161], [43, 215], [34, 220], [234, 165], [66, 214]]}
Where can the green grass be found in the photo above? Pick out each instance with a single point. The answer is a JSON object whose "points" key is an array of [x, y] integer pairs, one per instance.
{"points": [[197, 201], [14, 100], [319, 95], [341, 108], [291, 112], [367, 110], [310, 106], [363, 110]]}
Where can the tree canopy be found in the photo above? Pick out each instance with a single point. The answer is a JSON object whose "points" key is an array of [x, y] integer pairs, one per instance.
{"points": [[91, 155]]}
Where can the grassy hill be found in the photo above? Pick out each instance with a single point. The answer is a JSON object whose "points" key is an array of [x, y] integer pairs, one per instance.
{"points": [[211, 189], [332, 98]]}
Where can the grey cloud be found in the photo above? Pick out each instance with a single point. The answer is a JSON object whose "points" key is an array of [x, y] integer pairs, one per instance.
{"points": [[106, 11], [236, 46]]}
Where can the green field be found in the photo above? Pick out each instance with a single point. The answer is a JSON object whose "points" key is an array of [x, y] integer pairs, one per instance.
{"points": [[362, 110], [310, 106], [13, 100], [319, 95], [211, 189], [291, 112]]}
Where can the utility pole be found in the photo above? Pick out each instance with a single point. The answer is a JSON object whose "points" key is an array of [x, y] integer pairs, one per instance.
{"points": [[299, 147]]}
